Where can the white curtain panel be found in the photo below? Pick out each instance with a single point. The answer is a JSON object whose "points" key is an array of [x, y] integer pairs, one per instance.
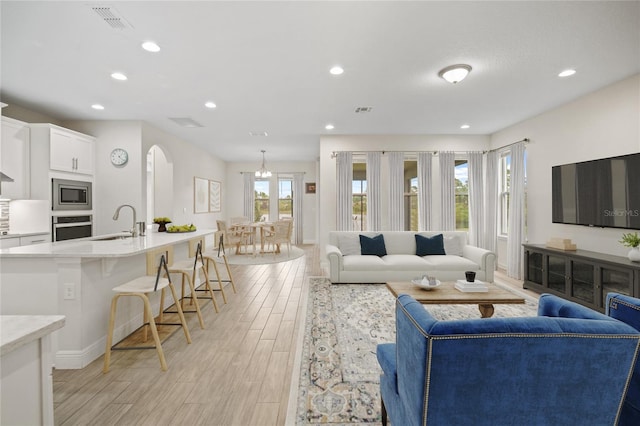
{"points": [[476, 198], [424, 190], [516, 213], [396, 191], [491, 202], [447, 161], [374, 220], [249, 195], [344, 192], [298, 195]]}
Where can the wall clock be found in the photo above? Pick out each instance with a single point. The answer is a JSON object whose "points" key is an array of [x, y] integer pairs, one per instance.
{"points": [[119, 157]]}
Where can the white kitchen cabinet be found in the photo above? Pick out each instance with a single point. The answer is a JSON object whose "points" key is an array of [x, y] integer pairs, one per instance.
{"points": [[9, 242], [68, 150], [35, 239], [14, 159], [71, 152]]}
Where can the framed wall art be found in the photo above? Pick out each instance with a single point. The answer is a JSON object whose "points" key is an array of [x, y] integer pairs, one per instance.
{"points": [[215, 196], [310, 188], [200, 195]]}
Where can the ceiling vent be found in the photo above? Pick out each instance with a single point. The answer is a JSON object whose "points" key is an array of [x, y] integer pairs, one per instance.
{"points": [[185, 122], [112, 17], [258, 133], [362, 110]]}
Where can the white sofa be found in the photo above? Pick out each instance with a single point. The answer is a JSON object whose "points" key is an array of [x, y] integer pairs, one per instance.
{"points": [[347, 265]]}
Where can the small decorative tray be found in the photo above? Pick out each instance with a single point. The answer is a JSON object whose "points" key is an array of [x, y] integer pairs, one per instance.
{"points": [[179, 232], [425, 284]]}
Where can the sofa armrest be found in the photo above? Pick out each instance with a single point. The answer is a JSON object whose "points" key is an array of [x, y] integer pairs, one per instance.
{"points": [[485, 258], [554, 306], [335, 262]]}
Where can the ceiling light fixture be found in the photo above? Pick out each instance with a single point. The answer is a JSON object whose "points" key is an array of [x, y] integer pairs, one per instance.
{"points": [[329, 127], [97, 106], [210, 104], [150, 46], [262, 172], [455, 73], [118, 76], [465, 126], [567, 73], [336, 70]]}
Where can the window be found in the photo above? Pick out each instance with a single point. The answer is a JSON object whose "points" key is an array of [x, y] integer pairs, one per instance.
{"points": [[504, 188], [285, 198], [411, 195], [359, 192], [261, 206], [462, 195]]}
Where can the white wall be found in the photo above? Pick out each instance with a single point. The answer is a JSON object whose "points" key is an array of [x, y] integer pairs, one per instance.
{"points": [[412, 143], [602, 124], [234, 191], [127, 185]]}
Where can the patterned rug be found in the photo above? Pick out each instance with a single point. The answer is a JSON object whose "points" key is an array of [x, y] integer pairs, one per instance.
{"points": [[339, 373]]}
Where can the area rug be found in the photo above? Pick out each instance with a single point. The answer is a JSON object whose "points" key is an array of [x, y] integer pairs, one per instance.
{"points": [[339, 373], [260, 259]]}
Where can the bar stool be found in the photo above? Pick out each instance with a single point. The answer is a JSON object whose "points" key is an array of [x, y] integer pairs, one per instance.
{"points": [[157, 278], [189, 269], [210, 256]]}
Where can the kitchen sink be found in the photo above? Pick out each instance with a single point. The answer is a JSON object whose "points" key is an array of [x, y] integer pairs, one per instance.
{"points": [[111, 237]]}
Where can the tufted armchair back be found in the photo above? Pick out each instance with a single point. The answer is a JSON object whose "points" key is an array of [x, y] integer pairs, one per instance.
{"points": [[568, 365]]}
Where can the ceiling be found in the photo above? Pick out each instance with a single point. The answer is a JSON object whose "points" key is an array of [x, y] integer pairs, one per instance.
{"points": [[266, 65]]}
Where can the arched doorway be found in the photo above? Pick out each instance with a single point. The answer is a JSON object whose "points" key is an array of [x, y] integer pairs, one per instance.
{"points": [[159, 184]]}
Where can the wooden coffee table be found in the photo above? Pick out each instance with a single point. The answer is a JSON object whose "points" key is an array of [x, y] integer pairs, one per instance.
{"points": [[446, 294]]}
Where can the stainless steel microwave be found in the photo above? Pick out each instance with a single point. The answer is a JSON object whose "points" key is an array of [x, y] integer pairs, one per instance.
{"points": [[70, 195]]}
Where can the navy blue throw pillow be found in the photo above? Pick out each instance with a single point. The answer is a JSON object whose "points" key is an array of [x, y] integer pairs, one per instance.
{"points": [[426, 246], [373, 246]]}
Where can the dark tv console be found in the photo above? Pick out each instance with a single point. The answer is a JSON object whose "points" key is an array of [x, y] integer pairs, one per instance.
{"points": [[581, 276]]}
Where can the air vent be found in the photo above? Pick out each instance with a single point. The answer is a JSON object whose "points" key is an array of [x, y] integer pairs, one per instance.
{"points": [[112, 17], [362, 110], [185, 122], [258, 133]]}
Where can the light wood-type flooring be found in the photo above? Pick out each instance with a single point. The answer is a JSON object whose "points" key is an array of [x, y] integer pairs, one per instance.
{"points": [[237, 371]]}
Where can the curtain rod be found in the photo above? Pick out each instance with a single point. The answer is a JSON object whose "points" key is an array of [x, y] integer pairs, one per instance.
{"points": [[525, 140]]}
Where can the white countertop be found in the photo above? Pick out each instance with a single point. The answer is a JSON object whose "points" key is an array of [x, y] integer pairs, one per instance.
{"points": [[18, 330], [86, 247]]}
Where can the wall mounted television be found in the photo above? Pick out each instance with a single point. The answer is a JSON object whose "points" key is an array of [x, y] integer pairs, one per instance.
{"points": [[602, 193]]}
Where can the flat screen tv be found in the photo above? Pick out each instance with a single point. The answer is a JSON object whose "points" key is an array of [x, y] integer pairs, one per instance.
{"points": [[602, 193]]}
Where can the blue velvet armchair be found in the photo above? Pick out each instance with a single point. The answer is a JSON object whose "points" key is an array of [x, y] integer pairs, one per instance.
{"points": [[627, 309], [569, 365]]}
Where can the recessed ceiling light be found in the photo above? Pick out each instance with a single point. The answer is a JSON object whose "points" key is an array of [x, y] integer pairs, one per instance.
{"points": [[118, 76], [329, 127], [150, 46], [210, 104], [97, 106], [465, 126], [455, 73], [567, 73], [336, 70], [258, 133]]}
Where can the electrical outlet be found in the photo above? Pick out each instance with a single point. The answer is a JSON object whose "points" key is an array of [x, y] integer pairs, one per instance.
{"points": [[69, 291]]}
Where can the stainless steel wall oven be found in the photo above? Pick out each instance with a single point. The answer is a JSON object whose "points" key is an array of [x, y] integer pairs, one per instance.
{"points": [[71, 227]]}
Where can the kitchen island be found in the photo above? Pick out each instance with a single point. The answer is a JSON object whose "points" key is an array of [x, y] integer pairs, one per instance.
{"points": [[74, 278]]}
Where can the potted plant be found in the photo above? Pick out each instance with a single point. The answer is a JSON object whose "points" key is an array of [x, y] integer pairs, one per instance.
{"points": [[633, 241], [162, 221]]}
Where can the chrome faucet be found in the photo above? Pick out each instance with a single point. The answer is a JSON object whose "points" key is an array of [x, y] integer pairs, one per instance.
{"points": [[134, 229]]}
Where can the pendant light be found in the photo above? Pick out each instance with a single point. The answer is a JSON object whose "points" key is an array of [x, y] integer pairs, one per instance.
{"points": [[262, 172]]}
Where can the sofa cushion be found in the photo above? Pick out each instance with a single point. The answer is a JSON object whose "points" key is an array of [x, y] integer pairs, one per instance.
{"points": [[453, 245], [427, 246], [349, 244], [364, 263], [450, 263], [404, 262], [372, 246]]}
